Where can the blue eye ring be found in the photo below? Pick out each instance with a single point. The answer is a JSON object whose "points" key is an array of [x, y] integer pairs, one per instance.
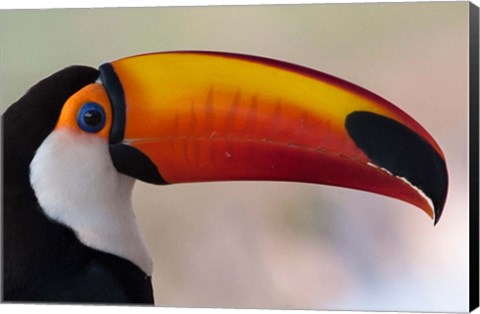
{"points": [[91, 117]]}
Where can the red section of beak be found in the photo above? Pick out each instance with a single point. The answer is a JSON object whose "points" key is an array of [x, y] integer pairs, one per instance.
{"points": [[200, 160]]}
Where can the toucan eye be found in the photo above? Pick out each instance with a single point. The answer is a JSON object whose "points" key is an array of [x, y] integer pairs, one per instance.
{"points": [[91, 117]]}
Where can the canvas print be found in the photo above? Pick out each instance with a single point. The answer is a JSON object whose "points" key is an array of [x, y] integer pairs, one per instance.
{"points": [[280, 156]]}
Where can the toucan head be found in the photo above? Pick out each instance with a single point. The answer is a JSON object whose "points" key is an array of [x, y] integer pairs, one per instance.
{"points": [[176, 117]]}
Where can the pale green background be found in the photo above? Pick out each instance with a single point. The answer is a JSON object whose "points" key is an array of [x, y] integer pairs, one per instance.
{"points": [[279, 245]]}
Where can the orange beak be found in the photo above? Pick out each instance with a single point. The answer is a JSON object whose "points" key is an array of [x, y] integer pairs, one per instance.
{"points": [[204, 116]]}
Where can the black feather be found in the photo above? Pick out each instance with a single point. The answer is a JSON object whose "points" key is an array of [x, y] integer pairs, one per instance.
{"points": [[43, 261]]}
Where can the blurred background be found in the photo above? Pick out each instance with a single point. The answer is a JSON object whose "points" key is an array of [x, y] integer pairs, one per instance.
{"points": [[287, 245]]}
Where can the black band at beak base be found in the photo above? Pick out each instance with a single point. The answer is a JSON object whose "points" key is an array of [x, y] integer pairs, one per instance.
{"points": [[115, 92], [130, 161]]}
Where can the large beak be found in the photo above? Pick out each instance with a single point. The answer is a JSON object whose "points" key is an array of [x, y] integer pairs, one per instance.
{"points": [[204, 116]]}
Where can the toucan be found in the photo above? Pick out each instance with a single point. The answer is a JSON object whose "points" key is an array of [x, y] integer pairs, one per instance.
{"points": [[75, 143]]}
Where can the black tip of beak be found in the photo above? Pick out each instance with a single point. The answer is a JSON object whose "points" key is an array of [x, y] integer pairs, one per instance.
{"points": [[401, 151]]}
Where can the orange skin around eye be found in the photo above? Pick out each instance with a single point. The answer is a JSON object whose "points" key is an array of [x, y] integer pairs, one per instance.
{"points": [[90, 93]]}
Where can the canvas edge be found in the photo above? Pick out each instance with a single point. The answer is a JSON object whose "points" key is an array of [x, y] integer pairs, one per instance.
{"points": [[474, 156]]}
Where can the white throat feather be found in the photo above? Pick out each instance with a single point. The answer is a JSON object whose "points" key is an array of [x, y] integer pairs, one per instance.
{"points": [[77, 185]]}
